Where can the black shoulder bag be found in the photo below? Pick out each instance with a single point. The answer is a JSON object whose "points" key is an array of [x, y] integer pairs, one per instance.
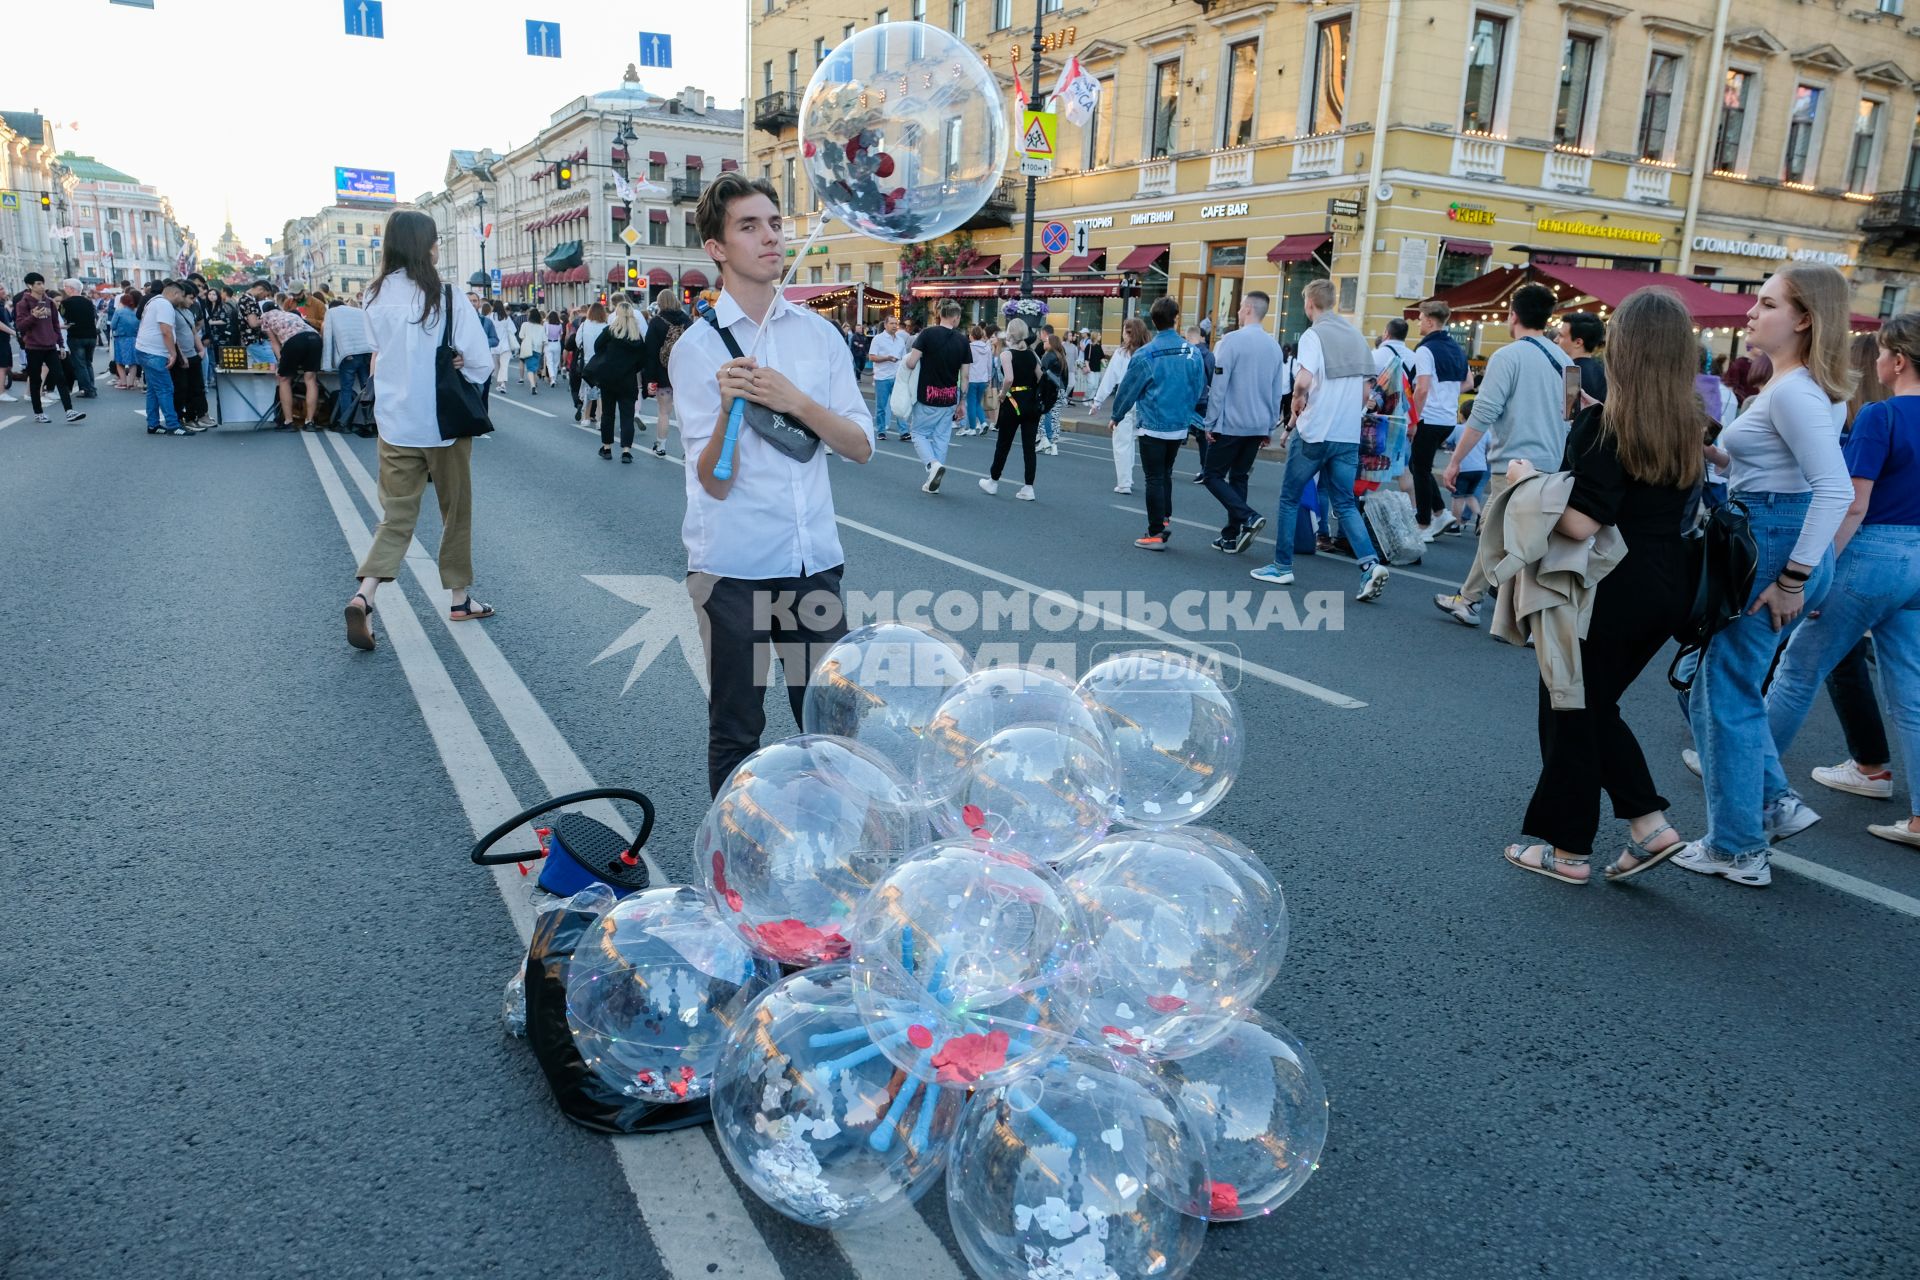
{"points": [[790, 438], [1724, 559], [461, 408]]}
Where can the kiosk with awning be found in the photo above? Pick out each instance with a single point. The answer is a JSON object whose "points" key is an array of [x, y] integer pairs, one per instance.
{"points": [[858, 295]]}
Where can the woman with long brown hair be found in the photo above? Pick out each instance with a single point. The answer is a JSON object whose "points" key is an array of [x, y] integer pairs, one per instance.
{"points": [[1133, 336], [1635, 462], [1784, 466]]}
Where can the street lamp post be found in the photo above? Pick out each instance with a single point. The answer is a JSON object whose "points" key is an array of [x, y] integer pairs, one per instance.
{"points": [[1038, 103], [480, 207]]}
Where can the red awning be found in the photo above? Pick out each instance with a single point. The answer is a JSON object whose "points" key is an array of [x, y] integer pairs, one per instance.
{"points": [[693, 164], [617, 275], [656, 215], [1299, 248], [1078, 289], [1142, 258], [580, 274], [1041, 262], [958, 287], [619, 212], [1486, 298], [988, 265], [692, 278], [1467, 248], [1081, 266], [619, 152], [660, 278], [729, 165], [806, 293], [656, 157]]}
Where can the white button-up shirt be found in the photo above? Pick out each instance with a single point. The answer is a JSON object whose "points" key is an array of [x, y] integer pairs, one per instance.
{"points": [[777, 521], [895, 344], [406, 404]]}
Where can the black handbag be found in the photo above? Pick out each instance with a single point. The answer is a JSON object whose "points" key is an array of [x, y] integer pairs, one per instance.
{"points": [[458, 402], [359, 418], [1724, 560]]}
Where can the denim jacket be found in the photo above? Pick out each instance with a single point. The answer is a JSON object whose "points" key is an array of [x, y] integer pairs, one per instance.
{"points": [[1164, 382]]}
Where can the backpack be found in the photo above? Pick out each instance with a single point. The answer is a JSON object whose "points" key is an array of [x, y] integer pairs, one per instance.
{"points": [[1724, 561], [1395, 532], [666, 344]]}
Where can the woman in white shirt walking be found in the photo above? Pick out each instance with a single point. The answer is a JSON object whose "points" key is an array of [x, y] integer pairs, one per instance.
{"points": [[408, 311], [584, 341], [503, 349], [1784, 465], [1133, 336]]}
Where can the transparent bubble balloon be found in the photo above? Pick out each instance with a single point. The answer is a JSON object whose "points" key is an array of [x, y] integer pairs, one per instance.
{"points": [[1256, 1099], [818, 1121], [1177, 737], [1015, 755], [654, 988], [1088, 1170], [1187, 929], [881, 684], [798, 835], [902, 132], [969, 964]]}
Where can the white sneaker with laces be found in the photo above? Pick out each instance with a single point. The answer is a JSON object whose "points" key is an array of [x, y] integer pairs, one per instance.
{"points": [[1462, 610], [1272, 575], [1123, 488], [1850, 777], [1433, 530], [1025, 494], [935, 473], [75, 415], [1788, 817], [8, 398], [1752, 870], [1373, 580], [989, 486], [1691, 758], [41, 417]]}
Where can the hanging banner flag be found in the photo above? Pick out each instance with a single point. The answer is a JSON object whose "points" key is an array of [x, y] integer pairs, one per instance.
{"points": [[543, 39], [623, 189], [1076, 93], [1019, 90]]}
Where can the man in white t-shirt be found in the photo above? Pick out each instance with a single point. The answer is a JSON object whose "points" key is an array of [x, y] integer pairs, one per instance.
{"points": [[1439, 375], [156, 353], [1329, 398], [888, 348]]}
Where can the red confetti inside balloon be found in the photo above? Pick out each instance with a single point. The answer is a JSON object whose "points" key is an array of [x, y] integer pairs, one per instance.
{"points": [[1166, 1004], [964, 1059], [884, 168], [919, 1037], [1225, 1198]]}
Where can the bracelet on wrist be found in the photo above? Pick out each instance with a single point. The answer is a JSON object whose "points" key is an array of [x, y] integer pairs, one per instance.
{"points": [[1792, 591], [1794, 575]]}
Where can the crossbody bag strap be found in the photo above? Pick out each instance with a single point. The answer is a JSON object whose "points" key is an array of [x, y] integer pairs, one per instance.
{"points": [[726, 336], [1553, 360], [446, 315]]}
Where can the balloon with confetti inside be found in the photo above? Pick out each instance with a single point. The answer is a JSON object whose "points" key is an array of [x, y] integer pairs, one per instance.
{"points": [[969, 964], [1256, 1099], [799, 833], [1187, 929], [1177, 736], [902, 132], [654, 989], [1016, 755], [1089, 1169], [815, 1118], [881, 684]]}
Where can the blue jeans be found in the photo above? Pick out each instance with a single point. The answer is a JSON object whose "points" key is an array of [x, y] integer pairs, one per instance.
{"points": [[159, 390], [1738, 757], [353, 378], [882, 392], [1340, 464], [976, 405], [1050, 423], [82, 349], [932, 427], [1876, 587]]}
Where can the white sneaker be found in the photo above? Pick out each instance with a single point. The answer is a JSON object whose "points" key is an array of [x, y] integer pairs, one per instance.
{"points": [[1462, 610], [1752, 870], [7, 398], [935, 473], [75, 415], [1851, 778], [1273, 575], [1691, 758], [1373, 581], [989, 486], [1025, 494], [1788, 817], [41, 417], [1433, 530], [1898, 832], [1123, 488]]}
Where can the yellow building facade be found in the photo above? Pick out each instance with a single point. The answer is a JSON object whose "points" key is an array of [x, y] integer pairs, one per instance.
{"points": [[1700, 138]]}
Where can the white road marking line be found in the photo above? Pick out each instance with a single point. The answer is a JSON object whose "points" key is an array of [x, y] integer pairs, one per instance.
{"points": [[1320, 693], [1328, 555], [697, 1231], [686, 1180], [529, 408], [7, 422], [1864, 889]]}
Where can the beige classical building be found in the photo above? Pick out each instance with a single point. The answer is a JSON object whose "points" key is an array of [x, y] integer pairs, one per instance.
{"points": [[1696, 138]]}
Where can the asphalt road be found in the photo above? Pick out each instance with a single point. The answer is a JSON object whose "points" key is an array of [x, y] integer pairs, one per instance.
{"points": [[252, 1017]]}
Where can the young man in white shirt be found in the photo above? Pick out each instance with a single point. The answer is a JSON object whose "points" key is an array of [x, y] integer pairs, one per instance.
{"points": [[888, 349], [1440, 374], [763, 551]]}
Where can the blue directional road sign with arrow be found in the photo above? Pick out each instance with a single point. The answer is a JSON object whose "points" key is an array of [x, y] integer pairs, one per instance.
{"points": [[363, 19], [543, 39], [656, 50]]}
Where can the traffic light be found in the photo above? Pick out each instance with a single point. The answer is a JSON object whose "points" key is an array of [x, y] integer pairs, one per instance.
{"points": [[46, 201], [633, 275], [564, 176]]}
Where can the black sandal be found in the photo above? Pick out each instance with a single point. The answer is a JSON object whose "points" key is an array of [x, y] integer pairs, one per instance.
{"points": [[469, 610], [360, 623]]}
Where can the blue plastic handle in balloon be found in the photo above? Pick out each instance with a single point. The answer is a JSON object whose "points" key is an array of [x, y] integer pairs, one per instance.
{"points": [[723, 469]]}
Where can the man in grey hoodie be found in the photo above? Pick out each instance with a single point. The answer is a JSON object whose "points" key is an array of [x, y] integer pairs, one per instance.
{"points": [[1243, 408], [1521, 410]]}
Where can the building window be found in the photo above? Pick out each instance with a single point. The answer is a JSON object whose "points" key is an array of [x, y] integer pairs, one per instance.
{"points": [[919, 42], [1863, 162], [767, 70], [1002, 14], [1052, 6], [1457, 268], [786, 191], [793, 72], [1327, 109], [814, 276], [1732, 135], [339, 228], [1893, 300], [768, 8], [1236, 128], [950, 157], [846, 33], [876, 274], [113, 215], [957, 17], [819, 50], [1894, 7], [1656, 109], [1100, 128], [1576, 84], [656, 230], [86, 211], [1486, 54], [115, 244], [690, 232], [880, 47], [86, 242], [843, 274], [1163, 109], [343, 253], [1803, 154]]}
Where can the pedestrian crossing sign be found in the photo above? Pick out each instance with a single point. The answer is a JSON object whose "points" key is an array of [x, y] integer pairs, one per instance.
{"points": [[1038, 129]]}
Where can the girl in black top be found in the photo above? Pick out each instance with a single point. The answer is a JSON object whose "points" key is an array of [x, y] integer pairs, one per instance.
{"points": [[668, 323], [1019, 408], [1636, 461], [621, 352]]}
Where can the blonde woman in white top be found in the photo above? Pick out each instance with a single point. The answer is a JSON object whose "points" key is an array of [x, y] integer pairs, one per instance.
{"points": [[1126, 449]]}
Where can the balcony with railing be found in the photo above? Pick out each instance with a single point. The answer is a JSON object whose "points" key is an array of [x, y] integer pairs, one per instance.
{"points": [[1893, 219], [1567, 171], [1000, 208], [1156, 178], [776, 111], [1230, 168], [1479, 156], [687, 190], [1650, 184], [1318, 157]]}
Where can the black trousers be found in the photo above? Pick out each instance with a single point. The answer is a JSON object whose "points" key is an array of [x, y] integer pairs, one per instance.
{"points": [[1636, 609], [1427, 498], [190, 390], [1199, 438], [1851, 688], [1156, 460], [623, 404], [1227, 463], [1026, 426], [743, 623], [56, 366]]}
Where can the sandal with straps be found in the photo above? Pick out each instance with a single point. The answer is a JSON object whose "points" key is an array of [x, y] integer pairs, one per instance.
{"points": [[469, 610], [1644, 859], [360, 622], [1549, 864]]}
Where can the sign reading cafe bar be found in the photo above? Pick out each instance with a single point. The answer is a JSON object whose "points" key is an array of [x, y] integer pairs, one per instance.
{"points": [[1774, 252]]}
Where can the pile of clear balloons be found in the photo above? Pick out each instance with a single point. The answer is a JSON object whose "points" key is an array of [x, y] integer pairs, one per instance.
{"points": [[1009, 957]]}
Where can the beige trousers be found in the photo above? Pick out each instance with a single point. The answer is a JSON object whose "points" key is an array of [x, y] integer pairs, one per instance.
{"points": [[404, 475]]}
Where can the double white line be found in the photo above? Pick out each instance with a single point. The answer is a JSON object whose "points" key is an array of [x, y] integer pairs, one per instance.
{"points": [[696, 1217]]}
